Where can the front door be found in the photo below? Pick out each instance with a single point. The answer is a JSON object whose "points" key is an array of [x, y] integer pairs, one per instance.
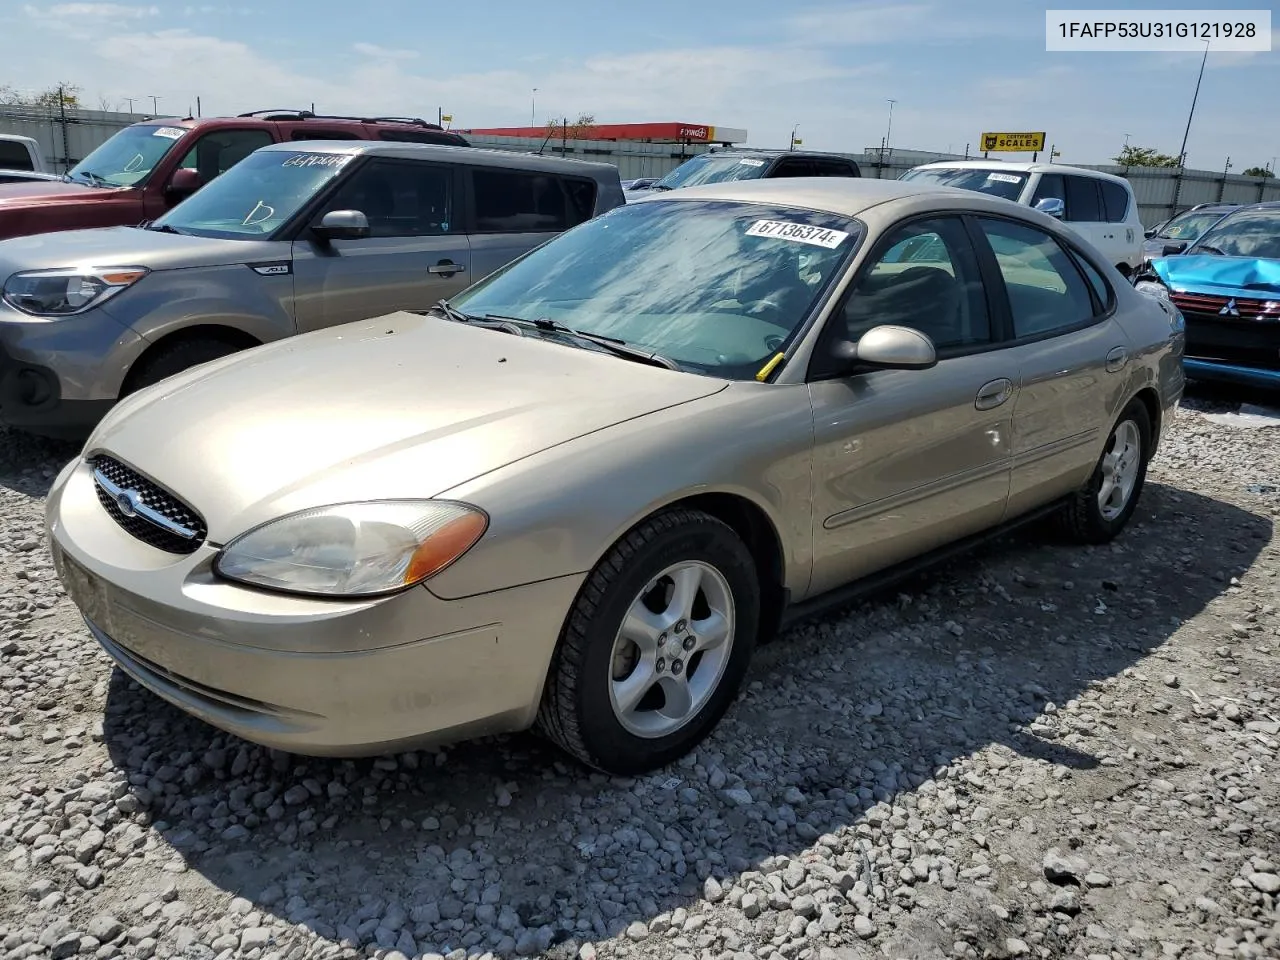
{"points": [[416, 253], [1073, 358], [908, 460]]}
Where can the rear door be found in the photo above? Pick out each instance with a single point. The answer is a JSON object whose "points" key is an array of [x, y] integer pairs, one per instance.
{"points": [[1071, 356], [513, 211], [415, 255]]}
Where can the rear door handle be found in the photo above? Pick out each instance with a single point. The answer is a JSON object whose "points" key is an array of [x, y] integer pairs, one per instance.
{"points": [[992, 394], [447, 268], [1117, 357]]}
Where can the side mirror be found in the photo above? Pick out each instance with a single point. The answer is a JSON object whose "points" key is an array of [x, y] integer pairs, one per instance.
{"points": [[342, 225], [1173, 249], [1053, 206], [889, 347], [184, 182]]}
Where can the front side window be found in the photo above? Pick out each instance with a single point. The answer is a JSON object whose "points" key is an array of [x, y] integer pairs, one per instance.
{"points": [[127, 159], [510, 201], [713, 168], [718, 287], [399, 198], [927, 279], [1050, 187], [996, 183], [1046, 291], [217, 152], [256, 197], [1251, 233], [1084, 203]]}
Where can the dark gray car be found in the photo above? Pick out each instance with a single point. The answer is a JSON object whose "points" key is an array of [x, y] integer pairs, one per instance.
{"points": [[294, 238]]}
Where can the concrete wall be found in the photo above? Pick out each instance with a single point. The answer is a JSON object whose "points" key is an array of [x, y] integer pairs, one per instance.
{"points": [[66, 141]]}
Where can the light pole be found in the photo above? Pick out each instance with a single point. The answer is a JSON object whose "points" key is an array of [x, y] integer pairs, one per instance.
{"points": [[129, 101], [1182, 154], [888, 137], [155, 105], [1126, 140], [792, 146], [533, 109]]}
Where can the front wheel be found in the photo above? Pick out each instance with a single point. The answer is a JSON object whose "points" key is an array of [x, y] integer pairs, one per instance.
{"points": [[656, 645], [1103, 506]]}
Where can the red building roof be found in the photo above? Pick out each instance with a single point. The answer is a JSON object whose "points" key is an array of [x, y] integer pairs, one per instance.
{"points": [[660, 132]]}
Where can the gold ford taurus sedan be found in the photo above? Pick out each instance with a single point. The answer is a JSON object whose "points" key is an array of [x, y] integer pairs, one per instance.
{"points": [[578, 495]]}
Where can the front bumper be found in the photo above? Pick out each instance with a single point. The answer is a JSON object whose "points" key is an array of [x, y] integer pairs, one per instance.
{"points": [[59, 377], [1241, 352], [314, 677]]}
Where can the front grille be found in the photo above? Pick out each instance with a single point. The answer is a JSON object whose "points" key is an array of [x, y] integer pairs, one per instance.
{"points": [[154, 497], [1209, 306]]}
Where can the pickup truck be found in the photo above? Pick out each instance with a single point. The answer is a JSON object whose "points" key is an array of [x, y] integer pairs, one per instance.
{"points": [[149, 167]]}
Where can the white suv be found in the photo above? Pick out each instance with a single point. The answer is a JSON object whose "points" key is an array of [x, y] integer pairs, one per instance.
{"points": [[1098, 206]]}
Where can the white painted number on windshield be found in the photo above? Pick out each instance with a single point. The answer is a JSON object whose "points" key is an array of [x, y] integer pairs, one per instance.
{"points": [[798, 233], [749, 162], [169, 133], [317, 160], [1003, 178]]}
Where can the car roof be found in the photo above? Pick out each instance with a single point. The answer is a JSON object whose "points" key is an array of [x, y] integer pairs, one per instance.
{"points": [[445, 153], [846, 196], [771, 152], [1018, 167]]}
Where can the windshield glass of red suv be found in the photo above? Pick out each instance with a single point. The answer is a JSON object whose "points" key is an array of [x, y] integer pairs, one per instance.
{"points": [[127, 158]]}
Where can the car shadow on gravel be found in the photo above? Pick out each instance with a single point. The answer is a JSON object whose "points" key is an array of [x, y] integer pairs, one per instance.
{"points": [[502, 844], [29, 465]]}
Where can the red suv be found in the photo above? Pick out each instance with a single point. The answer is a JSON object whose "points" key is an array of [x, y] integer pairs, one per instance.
{"points": [[151, 166]]}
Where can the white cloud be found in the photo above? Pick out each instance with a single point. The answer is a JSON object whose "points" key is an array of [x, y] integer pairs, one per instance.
{"points": [[866, 24], [104, 11], [384, 53]]}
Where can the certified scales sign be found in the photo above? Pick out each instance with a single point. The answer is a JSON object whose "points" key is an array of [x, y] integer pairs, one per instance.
{"points": [[1012, 142]]}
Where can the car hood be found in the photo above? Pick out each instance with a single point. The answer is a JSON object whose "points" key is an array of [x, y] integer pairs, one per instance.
{"points": [[127, 247], [1229, 276], [38, 192], [402, 406]]}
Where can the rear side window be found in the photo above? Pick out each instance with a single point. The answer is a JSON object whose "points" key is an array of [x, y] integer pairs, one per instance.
{"points": [[310, 133], [833, 168], [1084, 202], [1047, 293], [14, 156], [1099, 285], [509, 201], [421, 136], [794, 168], [1115, 201]]}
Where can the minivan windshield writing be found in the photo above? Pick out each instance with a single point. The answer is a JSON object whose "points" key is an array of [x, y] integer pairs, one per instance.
{"points": [[716, 287], [127, 158], [710, 168], [255, 197], [996, 183]]}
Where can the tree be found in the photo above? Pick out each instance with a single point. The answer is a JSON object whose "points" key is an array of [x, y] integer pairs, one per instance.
{"points": [[1144, 157], [566, 129], [1258, 172], [62, 95]]}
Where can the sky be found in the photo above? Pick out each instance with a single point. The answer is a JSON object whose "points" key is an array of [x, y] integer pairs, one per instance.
{"points": [[955, 68]]}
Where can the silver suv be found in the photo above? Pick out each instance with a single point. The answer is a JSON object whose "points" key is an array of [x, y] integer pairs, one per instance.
{"points": [[293, 238]]}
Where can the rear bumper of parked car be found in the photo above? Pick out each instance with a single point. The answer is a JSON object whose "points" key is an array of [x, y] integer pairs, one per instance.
{"points": [[59, 377], [309, 676]]}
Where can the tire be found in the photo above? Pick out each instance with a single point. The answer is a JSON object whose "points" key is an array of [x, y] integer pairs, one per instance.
{"points": [[1084, 520], [173, 358], [581, 711]]}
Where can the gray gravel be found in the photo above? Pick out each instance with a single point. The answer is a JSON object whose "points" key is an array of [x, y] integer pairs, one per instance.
{"points": [[1041, 751]]}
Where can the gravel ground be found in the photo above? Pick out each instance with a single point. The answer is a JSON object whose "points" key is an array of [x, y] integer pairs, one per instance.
{"points": [[1040, 751]]}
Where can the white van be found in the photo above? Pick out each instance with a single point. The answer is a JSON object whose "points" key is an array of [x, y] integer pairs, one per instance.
{"points": [[20, 155], [1098, 206]]}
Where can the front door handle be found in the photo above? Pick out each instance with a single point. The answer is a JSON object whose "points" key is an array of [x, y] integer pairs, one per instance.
{"points": [[992, 394], [447, 268], [1117, 357]]}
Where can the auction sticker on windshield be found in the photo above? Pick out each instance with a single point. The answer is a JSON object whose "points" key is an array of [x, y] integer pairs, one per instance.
{"points": [[798, 233], [1004, 178], [169, 133], [750, 162]]}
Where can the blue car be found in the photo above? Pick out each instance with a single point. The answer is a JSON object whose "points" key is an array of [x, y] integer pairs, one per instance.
{"points": [[1227, 286]]}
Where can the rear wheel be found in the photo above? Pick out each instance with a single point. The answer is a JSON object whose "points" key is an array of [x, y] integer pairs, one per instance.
{"points": [[1103, 506], [656, 645], [173, 358]]}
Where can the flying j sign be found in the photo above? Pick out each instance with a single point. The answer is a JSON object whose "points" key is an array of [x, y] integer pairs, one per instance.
{"points": [[1012, 142]]}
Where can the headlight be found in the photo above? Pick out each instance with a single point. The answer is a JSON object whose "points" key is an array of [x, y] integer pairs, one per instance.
{"points": [[354, 549], [1152, 289], [63, 293]]}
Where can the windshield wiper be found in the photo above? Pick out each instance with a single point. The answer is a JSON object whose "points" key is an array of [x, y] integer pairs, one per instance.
{"points": [[164, 228], [1209, 248], [95, 179], [661, 186], [619, 348]]}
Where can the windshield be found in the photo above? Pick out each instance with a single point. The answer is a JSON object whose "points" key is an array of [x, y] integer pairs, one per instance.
{"points": [[717, 287], [255, 197], [996, 183], [127, 158], [710, 168], [1251, 233], [1188, 226]]}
